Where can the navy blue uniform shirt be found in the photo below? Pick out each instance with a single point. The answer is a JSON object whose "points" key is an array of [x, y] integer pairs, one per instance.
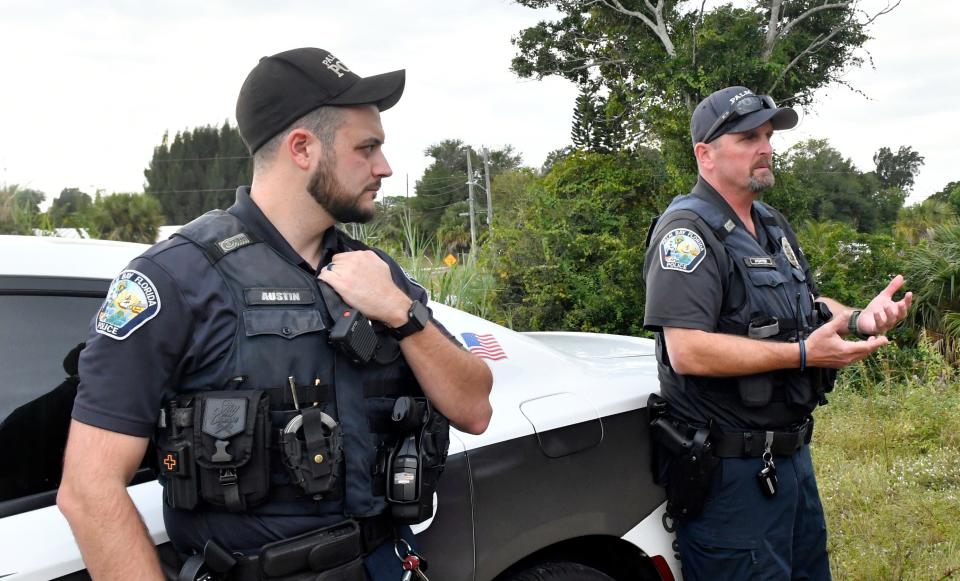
{"points": [[126, 376]]}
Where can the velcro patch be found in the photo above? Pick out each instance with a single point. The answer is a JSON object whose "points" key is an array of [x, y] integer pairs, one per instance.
{"points": [[681, 249], [278, 296], [234, 242], [131, 301], [224, 417], [759, 261]]}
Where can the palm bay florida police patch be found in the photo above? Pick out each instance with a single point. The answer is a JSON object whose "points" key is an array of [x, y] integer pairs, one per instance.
{"points": [[681, 249], [131, 301]]}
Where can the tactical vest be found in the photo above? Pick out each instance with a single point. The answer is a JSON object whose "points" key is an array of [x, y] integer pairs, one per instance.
{"points": [[281, 355], [778, 306]]}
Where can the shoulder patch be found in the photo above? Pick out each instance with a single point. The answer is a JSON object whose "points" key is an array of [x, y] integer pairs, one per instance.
{"points": [[681, 249], [131, 301]]}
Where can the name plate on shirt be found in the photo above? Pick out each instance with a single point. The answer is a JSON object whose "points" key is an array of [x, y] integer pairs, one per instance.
{"points": [[278, 296], [759, 262]]}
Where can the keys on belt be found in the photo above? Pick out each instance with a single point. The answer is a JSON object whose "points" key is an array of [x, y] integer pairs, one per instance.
{"points": [[412, 562]]}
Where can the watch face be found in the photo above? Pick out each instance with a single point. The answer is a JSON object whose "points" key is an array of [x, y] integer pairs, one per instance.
{"points": [[419, 313]]}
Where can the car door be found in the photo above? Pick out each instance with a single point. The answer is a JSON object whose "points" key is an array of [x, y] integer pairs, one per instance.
{"points": [[43, 323]]}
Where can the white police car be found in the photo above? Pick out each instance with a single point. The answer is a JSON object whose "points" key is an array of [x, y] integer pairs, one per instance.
{"points": [[558, 488]]}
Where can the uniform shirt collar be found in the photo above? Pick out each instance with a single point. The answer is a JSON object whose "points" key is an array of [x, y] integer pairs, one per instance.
{"points": [[707, 192], [250, 214]]}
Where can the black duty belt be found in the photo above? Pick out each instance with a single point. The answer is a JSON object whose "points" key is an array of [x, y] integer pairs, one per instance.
{"points": [[751, 444], [374, 531]]}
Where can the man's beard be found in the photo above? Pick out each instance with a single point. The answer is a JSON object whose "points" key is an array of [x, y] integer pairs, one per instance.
{"points": [[762, 183], [327, 190]]}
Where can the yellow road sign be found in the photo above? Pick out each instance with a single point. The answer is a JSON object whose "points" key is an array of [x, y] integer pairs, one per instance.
{"points": [[450, 260]]}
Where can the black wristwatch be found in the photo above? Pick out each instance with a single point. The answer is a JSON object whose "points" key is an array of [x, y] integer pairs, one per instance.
{"points": [[852, 327], [417, 318]]}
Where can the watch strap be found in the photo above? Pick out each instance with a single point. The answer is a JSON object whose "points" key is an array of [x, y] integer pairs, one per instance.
{"points": [[852, 325], [413, 324]]}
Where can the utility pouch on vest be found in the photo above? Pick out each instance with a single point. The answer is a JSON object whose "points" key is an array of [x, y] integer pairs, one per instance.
{"points": [[175, 457], [691, 465], [312, 445], [416, 463], [755, 390], [231, 447], [335, 550]]}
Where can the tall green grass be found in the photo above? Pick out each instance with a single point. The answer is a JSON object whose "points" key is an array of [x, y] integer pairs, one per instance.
{"points": [[887, 455], [465, 285]]}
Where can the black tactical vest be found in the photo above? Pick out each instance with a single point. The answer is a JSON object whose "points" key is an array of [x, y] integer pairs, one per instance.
{"points": [[776, 303], [282, 339]]}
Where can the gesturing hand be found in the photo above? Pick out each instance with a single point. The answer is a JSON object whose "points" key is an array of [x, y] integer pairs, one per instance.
{"points": [[883, 313], [826, 348]]}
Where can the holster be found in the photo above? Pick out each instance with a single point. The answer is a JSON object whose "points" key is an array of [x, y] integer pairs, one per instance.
{"points": [[416, 463], [690, 461]]}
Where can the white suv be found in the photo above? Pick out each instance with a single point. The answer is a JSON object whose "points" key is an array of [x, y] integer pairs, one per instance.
{"points": [[558, 488]]}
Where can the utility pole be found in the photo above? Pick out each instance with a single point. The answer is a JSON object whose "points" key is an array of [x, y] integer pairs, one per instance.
{"points": [[486, 177], [473, 226]]}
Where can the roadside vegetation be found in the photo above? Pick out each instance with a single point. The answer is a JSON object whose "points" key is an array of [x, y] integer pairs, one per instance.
{"points": [[887, 455], [563, 248]]}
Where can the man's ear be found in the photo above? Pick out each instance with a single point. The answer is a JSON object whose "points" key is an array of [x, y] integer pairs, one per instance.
{"points": [[704, 154], [301, 145]]}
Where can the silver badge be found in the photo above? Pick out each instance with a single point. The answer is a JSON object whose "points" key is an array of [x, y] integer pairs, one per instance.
{"points": [[788, 252]]}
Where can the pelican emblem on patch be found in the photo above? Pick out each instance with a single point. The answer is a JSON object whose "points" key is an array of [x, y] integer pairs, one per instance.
{"points": [[681, 249], [131, 301], [788, 252]]}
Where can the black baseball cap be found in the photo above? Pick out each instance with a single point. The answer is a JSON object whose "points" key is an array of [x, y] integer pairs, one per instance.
{"points": [[740, 110], [288, 85]]}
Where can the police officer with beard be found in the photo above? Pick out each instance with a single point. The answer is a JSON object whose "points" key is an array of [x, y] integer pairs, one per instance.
{"points": [[746, 350], [239, 347]]}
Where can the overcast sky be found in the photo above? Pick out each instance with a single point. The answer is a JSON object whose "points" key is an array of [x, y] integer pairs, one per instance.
{"points": [[89, 88]]}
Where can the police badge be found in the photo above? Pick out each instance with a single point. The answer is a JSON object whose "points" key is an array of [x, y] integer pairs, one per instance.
{"points": [[788, 252]]}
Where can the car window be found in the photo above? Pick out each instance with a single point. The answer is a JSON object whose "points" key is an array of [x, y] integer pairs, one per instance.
{"points": [[39, 346]]}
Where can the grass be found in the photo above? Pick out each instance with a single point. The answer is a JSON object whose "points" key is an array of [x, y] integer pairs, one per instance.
{"points": [[888, 464]]}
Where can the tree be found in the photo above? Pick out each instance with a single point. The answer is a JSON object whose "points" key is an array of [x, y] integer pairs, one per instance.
{"points": [[817, 181], [598, 122], [444, 184], [127, 217], [19, 209], [570, 255], [661, 57], [69, 209], [933, 267], [897, 170], [950, 194], [198, 171], [918, 222]]}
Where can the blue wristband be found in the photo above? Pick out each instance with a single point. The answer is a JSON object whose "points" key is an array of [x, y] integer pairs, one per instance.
{"points": [[803, 356]]}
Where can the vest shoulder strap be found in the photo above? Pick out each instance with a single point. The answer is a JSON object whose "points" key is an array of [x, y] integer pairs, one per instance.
{"points": [[218, 233]]}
